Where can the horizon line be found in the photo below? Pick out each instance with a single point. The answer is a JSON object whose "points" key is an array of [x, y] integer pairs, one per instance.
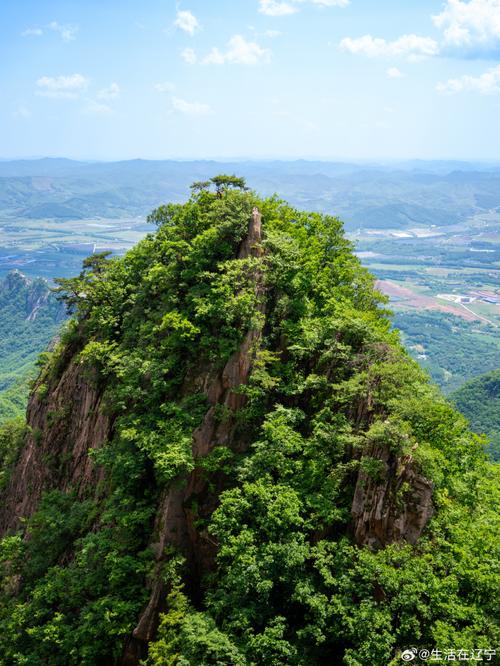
{"points": [[222, 159]]}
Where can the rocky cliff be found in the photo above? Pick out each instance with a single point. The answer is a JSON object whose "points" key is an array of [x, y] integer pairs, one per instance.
{"points": [[291, 393], [65, 421], [175, 524], [30, 295], [394, 507]]}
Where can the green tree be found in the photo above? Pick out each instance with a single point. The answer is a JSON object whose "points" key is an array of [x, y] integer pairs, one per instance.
{"points": [[330, 384], [223, 182], [479, 400]]}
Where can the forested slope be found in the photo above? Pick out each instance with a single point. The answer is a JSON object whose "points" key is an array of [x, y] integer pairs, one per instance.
{"points": [[30, 317], [479, 401], [229, 458], [453, 353]]}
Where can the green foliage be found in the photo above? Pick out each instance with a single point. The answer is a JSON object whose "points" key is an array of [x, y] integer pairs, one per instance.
{"points": [[455, 352], [479, 401], [186, 637], [11, 440], [82, 570], [330, 383], [283, 559], [223, 182], [82, 289], [29, 319]]}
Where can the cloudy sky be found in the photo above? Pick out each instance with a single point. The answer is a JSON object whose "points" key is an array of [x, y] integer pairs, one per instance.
{"points": [[339, 79]]}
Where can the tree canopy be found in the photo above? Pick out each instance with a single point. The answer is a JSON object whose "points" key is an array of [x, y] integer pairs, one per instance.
{"points": [[330, 381], [479, 400]]}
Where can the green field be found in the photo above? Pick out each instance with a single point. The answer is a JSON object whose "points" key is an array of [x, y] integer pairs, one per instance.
{"points": [[52, 247]]}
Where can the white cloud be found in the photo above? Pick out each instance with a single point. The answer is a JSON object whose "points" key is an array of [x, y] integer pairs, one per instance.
{"points": [[67, 32], [64, 87], [22, 112], [279, 8], [165, 86], [189, 56], [32, 32], [485, 84], [274, 8], [111, 92], [190, 108], [413, 47], [272, 33], [97, 108], [470, 24], [239, 52], [394, 73], [187, 21], [327, 3]]}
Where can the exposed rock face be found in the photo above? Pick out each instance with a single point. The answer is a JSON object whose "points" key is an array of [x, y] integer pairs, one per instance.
{"points": [[65, 420], [15, 280], [37, 297], [251, 247], [35, 294], [174, 522], [395, 506]]}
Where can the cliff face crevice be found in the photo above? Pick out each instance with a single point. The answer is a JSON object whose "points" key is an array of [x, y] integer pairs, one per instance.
{"points": [[233, 434], [174, 525], [65, 419], [395, 505]]}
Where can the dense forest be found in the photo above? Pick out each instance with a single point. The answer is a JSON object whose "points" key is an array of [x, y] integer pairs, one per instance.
{"points": [[230, 459], [448, 348], [479, 401], [30, 317]]}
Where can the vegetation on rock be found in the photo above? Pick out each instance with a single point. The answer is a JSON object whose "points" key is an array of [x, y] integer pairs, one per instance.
{"points": [[269, 572]]}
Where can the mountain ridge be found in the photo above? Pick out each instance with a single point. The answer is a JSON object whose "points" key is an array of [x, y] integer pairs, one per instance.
{"points": [[230, 458], [358, 192]]}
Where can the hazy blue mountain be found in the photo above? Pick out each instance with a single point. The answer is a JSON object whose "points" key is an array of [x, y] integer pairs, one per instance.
{"points": [[365, 195]]}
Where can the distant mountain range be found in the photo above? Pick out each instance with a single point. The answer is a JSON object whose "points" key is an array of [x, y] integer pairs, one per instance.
{"points": [[396, 195]]}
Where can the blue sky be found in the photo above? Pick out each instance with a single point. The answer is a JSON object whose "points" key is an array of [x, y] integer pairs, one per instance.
{"points": [[328, 79]]}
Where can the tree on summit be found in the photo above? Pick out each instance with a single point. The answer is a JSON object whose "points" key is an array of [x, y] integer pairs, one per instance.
{"points": [[223, 182], [255, 414]]}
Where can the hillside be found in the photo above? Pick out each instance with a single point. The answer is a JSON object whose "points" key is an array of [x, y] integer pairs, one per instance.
{"points": [[479, 401], [30, 317], [229, 458], [452, 350], [397, 195]]}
